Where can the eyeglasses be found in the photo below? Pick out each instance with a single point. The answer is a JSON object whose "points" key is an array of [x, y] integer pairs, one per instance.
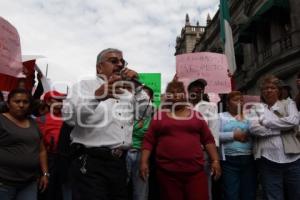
{"points": [[116, 61]]}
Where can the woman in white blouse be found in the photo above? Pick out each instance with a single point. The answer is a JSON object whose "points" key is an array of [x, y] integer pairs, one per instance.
{"points": [[276, 145]]}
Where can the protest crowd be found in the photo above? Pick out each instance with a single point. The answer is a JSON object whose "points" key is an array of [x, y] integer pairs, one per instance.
{"points": [[106, 140]]}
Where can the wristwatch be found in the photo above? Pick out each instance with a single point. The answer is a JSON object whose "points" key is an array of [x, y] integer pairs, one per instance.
{"points": [[46, 174]]}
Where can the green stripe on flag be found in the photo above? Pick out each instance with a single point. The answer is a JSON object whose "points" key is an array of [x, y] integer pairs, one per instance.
{"points": [[224, 15], [226, 35]]}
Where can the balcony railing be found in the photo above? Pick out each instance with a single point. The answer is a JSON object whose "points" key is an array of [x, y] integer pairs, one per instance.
{"points": [[280, 48], [286, 43], [277, 48], [267, 53]]}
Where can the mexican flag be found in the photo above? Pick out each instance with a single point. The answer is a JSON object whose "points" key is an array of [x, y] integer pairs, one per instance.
{"points": [[226, 35]]}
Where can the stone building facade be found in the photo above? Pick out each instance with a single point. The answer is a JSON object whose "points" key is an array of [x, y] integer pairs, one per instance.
{"points": [[190, 35], [266, 37]]}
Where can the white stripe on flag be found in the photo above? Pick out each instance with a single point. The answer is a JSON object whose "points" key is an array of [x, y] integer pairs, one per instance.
{"points": [[229, 49]]}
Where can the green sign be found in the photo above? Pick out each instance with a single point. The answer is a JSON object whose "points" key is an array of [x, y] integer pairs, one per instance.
{"points": [[152, 80]]}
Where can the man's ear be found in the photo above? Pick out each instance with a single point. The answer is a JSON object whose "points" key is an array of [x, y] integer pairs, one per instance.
{"points": [[98, 68]]}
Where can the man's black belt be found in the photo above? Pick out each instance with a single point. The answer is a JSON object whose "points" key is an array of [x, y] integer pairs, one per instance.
{"points": [[100, 152]]}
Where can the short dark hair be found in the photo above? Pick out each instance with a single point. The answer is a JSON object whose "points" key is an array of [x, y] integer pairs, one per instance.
{"points": [[270, 79], [16, 91], [233, 94], [105, 51], [175, 84], [38, 104], [197, 83]]}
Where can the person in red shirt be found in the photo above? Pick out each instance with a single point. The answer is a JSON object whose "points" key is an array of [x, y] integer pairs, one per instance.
{"points": [[51, 122], [50, 125], [178, 134]]}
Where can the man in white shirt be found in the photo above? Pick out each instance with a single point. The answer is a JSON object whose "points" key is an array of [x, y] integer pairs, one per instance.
{"points": [[209, 112], [102, 113]]}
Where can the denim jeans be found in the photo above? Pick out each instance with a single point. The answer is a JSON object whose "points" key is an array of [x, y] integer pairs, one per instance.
{"points": [[280, 180], [140, 187], [25, 192], [67, 191], [239, 178]]}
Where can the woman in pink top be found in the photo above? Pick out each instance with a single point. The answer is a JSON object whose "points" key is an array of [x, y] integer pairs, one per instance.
{"points": [[178, 135]]}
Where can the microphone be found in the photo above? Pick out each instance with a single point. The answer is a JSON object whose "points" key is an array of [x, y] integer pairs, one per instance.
{"points": [[134, 80]]}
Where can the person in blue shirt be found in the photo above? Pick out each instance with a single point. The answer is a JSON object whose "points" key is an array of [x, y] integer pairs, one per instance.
{"points": [[238, 167]]}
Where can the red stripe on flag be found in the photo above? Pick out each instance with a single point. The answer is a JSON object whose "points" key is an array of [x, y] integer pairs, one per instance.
{"points": [[7, 82]]}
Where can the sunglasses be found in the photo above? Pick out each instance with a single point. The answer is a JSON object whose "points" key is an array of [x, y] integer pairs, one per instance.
{"points": [[116, 61]]}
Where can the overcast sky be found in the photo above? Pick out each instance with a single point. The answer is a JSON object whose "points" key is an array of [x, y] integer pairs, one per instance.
{"points": [[70, 33]]}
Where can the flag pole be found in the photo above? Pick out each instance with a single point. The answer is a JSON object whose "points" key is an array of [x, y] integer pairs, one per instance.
{"points": [[46, 74]]}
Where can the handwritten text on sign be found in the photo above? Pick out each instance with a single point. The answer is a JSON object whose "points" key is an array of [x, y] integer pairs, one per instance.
{"points": [[10, 50], [210, 66]]}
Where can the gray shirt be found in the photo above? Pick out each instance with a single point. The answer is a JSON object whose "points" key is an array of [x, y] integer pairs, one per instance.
{"points": [[19, 152]]}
